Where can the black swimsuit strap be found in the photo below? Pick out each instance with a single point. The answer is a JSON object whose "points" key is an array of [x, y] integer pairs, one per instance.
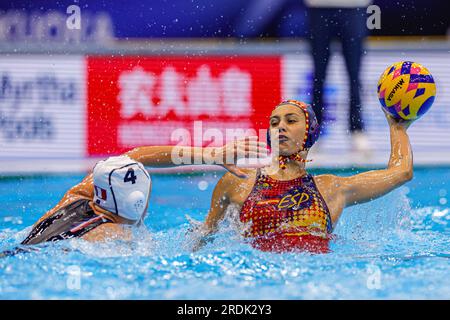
{"points": [[73, 220], [259, 174]]}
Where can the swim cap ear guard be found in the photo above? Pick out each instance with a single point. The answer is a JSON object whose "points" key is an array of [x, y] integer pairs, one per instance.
{"points": [[135, 205], [312, 125]]}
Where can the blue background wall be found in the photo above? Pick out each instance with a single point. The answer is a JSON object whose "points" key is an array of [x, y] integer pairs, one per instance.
{"points": [[225, 18]]}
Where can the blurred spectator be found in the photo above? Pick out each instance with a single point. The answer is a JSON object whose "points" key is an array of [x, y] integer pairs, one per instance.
{"points": [[345, 19], [272, 18]]}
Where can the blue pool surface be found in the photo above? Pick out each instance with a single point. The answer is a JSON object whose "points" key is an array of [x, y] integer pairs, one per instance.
{"points": [[396, 247]]}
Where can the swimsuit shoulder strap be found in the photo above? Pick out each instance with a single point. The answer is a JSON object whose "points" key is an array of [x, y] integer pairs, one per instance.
{"points": [[259, 175], [312, 182], [308, 179], [73, 220]]}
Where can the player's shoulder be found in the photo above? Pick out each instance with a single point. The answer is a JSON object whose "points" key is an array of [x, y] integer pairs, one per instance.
{"points": [[233, 179], [231, 182], [328, 180]]}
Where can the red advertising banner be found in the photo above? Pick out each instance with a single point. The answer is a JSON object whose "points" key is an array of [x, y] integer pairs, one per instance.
{"points": [[135, 101]]}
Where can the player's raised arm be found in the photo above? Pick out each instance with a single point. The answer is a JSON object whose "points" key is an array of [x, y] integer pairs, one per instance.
{"points": [[370, 185]]}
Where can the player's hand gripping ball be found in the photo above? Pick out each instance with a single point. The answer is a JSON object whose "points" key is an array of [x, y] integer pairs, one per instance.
{"points": [[406, 90]]}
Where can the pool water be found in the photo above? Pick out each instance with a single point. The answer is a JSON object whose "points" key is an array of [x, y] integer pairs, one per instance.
{"points": [[396, 247]]}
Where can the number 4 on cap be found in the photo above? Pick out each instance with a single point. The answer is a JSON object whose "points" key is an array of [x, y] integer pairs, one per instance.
{"points": [[129, 176]]}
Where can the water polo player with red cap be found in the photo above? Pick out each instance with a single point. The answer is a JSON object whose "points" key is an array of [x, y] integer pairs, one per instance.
{"points": [[283, 207]]}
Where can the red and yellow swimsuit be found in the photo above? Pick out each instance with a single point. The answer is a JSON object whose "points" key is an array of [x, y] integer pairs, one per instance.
{"points": [[287, 215]]}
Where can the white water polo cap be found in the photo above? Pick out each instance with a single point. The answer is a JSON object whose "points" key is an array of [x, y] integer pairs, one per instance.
{"points": [[122, 186]]}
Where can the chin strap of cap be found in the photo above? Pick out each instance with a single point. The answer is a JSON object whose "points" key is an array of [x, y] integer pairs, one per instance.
{"points": [[293, 157]]}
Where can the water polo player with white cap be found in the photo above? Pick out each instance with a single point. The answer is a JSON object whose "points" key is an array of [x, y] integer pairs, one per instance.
{"points": [[117, 192], [121, 192], [283, 207]]}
